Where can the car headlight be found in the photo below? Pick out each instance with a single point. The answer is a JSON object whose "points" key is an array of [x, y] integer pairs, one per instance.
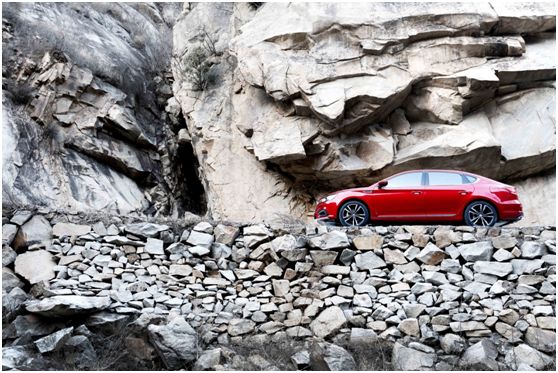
{"points": [[328, 198]]}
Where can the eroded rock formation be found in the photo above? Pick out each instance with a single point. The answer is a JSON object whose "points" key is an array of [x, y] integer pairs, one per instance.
{"points": [[311, 97], [84, 120], [271, 105]]}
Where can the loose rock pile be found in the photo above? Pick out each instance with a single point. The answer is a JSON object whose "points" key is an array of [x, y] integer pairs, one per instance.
{"points": [[446, 296]]}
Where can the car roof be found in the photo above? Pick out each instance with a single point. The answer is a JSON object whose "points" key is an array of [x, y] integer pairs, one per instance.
{"points": [[438, 170]]}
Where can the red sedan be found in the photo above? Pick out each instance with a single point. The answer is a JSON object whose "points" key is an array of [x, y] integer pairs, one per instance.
{"points": [[424, 196]]}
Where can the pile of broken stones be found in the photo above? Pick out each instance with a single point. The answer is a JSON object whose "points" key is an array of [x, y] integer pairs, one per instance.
{"points": [[443, 297]]}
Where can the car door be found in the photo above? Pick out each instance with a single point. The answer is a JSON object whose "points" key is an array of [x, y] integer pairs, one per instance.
{"points": [[446, 194], [401, 198]]}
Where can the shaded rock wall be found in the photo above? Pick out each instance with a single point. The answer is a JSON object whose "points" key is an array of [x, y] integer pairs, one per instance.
{"points": [[314, 97], [447, 296], [85, 126]]}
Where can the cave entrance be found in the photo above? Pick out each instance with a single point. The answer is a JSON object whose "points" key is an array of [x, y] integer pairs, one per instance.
{"points": [[193, 196]]}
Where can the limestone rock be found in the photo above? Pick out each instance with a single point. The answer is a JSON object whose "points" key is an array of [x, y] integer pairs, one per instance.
{"points": [[327, 322], [331, 240], [476, 251], [9, 232], [368, 242], [175, 342], [481, 355], [431, 254], [35, 266], [405, 358], [70, 229], [542, 340], [54, 341], [330, 357], [240, 326], [147, 230], [35, 231], [369, 261], [67, 305]]}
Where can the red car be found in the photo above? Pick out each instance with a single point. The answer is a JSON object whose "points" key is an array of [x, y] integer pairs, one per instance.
{"points": [[424, 196]]}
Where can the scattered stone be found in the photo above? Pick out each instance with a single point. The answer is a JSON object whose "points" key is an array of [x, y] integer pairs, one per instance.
{"points": [[328, 321], [482, 356], [70, 229], [35, 266], [373, 241], [404, 358], [532, 249], [225, 234], [240, 327], [67, 305], [369, 261], [476, 251], [154, 246], [200, 239], [330, 241], [330, 357], [36, 231], [54, 341], [431, 255], [176, 342], [540, 339], [146, 230]]}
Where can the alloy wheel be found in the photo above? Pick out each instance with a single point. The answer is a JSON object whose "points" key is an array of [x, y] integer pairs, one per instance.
{"points": [[481, 214], [354, 214]]}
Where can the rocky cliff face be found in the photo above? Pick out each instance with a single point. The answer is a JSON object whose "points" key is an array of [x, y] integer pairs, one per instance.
{"points": [[311, 97], [271, 105], [85, 127]]}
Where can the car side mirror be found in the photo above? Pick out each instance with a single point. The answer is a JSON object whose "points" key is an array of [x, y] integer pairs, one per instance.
{"points": [[382, 184]]}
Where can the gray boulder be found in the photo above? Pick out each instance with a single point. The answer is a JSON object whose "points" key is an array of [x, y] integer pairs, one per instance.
{"points": [[54, 341], [476, 251], [331, 240], [176, 342], [35, 266], [36, 231], [330, 357], [482, 355], [405, 358], [67, 305]]}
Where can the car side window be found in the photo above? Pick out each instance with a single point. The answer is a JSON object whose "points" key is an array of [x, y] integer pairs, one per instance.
{"points": [[412, 179], [444, 178]]}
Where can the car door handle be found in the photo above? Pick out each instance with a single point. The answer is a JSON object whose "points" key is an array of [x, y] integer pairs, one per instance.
{"points": [[416, 192], [464, 192]]}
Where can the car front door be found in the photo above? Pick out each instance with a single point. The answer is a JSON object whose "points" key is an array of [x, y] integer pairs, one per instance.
{"points": [[401, 198], [446, 194]]}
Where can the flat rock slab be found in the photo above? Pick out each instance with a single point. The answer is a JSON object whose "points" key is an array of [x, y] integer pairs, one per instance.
{"points": [[35, 266], [70, 229], [145, 229], [67, 305]]}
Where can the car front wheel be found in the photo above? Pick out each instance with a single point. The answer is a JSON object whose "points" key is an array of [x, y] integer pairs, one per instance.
{"points": [[480, 214], [353, 213]]}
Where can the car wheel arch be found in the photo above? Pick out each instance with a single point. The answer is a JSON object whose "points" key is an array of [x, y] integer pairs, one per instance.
{"points": [[481, 199], [351, 199]]}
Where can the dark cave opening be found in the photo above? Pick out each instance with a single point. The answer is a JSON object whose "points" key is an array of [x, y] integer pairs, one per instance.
{"points": [[193, 197]]}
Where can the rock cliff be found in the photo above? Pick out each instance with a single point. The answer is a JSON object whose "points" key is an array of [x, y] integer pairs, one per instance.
{"points": [[84, 124], [245, 111], [306, 98]]}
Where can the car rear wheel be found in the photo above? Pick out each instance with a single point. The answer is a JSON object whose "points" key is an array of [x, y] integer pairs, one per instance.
{"points": [[353, 213], [480, 214]]}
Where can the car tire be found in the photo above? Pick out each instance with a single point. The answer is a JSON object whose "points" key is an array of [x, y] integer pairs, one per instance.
{"points": [[353, 213], [480, 214]]}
